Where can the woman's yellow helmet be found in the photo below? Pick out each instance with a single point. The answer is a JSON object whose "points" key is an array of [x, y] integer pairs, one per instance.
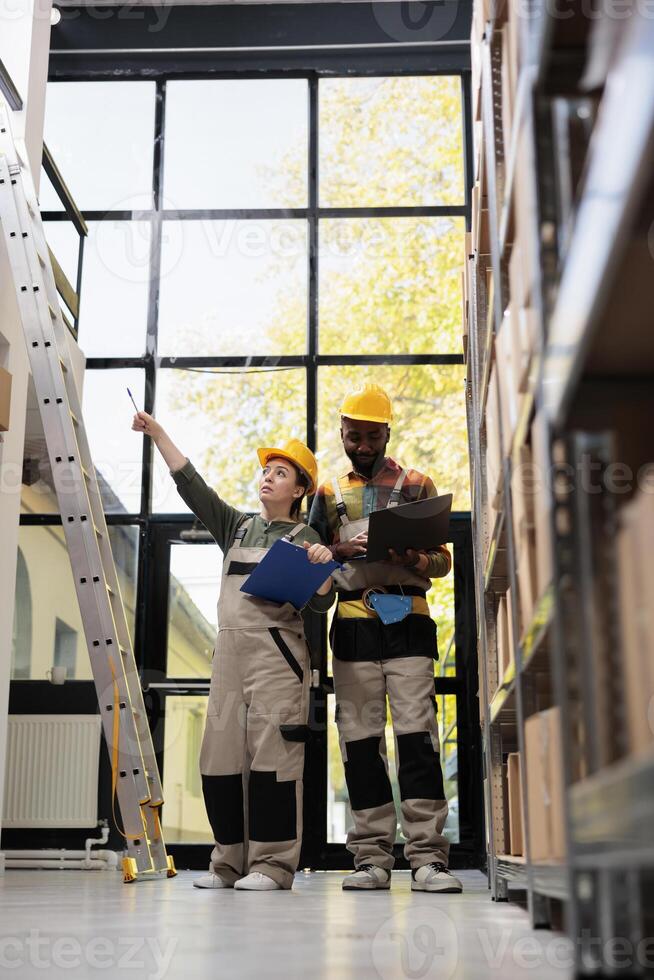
{"points": [[298, 454]]}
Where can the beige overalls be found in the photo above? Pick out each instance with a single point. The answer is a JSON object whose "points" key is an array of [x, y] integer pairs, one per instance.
{"points": [[372, 662], [252, 756]]}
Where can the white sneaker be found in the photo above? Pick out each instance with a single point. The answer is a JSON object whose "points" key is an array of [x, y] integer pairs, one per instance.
{"points": [[210, 880], [368, 877], [256, 882], [434, 877]]}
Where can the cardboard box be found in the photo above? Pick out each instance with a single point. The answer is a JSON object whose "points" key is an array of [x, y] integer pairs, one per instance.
{"points": [[522, 345], [502, 639], [507, 373], [517, 285], [5, 399], [542, 503], [636, 579], [480, 221], [524, 321], [509, 617], [478, 138], [493, 444], [475, 208], [526, 571], [522, 492], [525, 210], [516, 816], [513, 46], [505, 635], [545, 786]]}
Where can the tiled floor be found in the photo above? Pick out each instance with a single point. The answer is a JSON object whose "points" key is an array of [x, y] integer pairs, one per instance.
{"points": [[89, 924]]}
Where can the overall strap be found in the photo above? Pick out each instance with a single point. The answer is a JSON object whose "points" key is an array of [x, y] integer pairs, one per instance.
{"points": [[396, 492], [294, 533], [241, 531], [341, 509]]}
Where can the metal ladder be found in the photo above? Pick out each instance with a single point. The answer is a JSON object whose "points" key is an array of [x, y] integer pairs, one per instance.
{"points": [[135, 775]]}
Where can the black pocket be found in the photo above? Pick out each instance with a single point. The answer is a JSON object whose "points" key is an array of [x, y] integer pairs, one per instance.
{"points": [[286, 653], [242, 567], [422, 636], [295, 733], [357, 639]]}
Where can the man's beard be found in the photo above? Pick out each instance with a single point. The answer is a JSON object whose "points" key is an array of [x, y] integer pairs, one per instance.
{"points": [[364, 465]]}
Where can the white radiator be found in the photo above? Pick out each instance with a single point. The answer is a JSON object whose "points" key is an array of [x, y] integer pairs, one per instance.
{"points": [[52, 771]]}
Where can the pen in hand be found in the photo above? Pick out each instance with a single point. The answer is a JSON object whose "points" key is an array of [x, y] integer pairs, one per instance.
{"points": [[133, 402]]}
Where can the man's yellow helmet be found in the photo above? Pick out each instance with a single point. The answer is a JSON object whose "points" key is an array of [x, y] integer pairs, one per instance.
{"points": [[368, 404], [298, 454]]}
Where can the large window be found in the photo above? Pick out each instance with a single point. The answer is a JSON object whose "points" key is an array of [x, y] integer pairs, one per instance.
{"points": [[250, 271], [257, 247]]}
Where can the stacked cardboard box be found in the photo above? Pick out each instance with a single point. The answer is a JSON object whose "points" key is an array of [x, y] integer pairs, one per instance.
{"points": [[509, 377], [493, 439], [505, 636], [545, 786], [510, 70], [516, 814], [636, 578], [541, 503], [523, 479], [480, 222], [523, 327]]}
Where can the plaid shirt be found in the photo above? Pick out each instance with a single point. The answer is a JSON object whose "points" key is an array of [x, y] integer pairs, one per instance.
{"points": [[363, 495]]}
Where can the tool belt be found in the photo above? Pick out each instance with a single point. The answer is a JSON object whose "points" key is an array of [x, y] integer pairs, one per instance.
{"points": [[411, 590]]}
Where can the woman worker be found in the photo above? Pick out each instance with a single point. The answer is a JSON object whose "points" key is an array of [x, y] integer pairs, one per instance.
{"points": [[259, 693]]}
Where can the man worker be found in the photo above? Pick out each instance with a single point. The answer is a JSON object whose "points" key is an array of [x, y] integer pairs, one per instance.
{"points": [[372, 660]]}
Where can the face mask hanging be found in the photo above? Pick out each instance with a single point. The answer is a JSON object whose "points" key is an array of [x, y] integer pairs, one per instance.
{"points": [[390, 608]]}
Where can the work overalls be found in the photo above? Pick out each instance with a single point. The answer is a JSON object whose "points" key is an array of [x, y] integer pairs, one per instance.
{"points": [[361, 687], [252, 756]]}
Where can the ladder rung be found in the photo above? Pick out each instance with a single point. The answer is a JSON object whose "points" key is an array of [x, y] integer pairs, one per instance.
{"points": [[110, 590], [63, 365], [98, 531], [53, 312], [74, 418], [124, 652], [41, 260], [87, 475]]}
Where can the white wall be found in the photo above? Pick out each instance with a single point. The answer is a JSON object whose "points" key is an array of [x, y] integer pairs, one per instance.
{"points": [[24, 46]]}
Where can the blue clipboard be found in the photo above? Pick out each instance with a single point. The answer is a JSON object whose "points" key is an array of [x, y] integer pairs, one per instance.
{"points": [[285, 574]]}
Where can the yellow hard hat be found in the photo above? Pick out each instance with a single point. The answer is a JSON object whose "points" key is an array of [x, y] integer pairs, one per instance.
{"points": [[368, 404], [298, 454]]}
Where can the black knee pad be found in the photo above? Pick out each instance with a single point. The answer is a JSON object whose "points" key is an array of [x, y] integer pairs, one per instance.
{"points": [[223, 798], [272, 809], [368, 784], [419, 770]]}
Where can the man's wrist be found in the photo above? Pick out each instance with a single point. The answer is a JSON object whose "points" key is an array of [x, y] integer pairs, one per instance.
{"points": [[421, 563]]}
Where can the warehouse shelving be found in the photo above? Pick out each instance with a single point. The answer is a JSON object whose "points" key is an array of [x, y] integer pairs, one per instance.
{"points": [[615, 194], [592, 293]]}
